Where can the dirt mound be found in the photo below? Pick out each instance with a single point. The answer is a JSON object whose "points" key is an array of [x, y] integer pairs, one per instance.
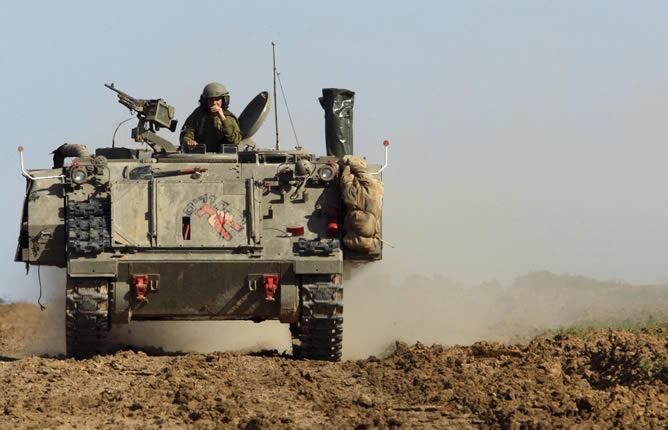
{"points": [[604, 377], [609, 377]]}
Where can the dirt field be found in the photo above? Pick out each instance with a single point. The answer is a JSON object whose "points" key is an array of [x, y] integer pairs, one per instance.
{"points": [[601, 377]]}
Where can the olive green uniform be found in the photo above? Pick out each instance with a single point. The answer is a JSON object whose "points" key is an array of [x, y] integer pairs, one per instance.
{"points": [[208, 129]]}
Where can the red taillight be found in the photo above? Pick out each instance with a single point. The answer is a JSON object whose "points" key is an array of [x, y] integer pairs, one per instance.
{"points": [[270, 287], [332, 229], [139, 286]]}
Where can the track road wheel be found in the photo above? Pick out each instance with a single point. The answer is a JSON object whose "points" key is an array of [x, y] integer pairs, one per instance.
{"points": [[319, 333], [87, 321]]}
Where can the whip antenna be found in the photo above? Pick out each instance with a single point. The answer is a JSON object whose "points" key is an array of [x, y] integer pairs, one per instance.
{"points": [[273, 53], [277, 76], [287, 108]]}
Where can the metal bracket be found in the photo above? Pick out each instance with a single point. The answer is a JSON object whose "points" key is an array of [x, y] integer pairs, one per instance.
{"points": [[254, 280], [39, 240]]}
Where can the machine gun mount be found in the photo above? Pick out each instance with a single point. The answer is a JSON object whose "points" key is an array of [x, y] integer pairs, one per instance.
{"points": [[152, 115]]}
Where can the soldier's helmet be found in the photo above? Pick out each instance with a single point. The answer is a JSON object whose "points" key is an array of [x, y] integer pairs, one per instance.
{"points": [[213, 90]]}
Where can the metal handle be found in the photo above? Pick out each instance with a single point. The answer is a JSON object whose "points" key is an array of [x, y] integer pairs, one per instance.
{"points": [[25, 173]]}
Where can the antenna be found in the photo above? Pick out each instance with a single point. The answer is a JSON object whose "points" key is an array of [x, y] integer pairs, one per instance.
{"points": [[287, 108], [273, 52], [277, 77]]}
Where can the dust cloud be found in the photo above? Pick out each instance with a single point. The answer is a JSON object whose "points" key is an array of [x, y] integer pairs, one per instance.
{"points": [[203, 336], [433, 309], [168, 336], [49, 337], [381, 308]]}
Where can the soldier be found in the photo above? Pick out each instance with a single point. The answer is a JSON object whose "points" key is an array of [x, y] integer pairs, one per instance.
{"points": [[211, 124]]}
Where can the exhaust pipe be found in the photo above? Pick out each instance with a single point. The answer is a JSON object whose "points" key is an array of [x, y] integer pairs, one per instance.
{"points": [[68, 150], [338, 106]]}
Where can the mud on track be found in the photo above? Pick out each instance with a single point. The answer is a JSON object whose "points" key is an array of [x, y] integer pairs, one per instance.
{"points": [[605, 377]]}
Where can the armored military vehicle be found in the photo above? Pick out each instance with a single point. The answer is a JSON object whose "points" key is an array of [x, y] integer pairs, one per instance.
{"points": [[158, 233]]}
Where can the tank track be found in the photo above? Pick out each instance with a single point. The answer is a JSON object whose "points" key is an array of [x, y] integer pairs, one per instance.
{"points": [[88, 226], [87, 320], [320, 329]]}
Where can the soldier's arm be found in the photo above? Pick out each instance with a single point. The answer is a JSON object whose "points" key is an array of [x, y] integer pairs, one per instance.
{"points": [[188, 130], [231, 129]]}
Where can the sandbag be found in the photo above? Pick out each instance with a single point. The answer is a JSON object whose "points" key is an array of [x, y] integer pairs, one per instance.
{"points": [[363, 223], [362, 194], [359, 243], [359, 189]]}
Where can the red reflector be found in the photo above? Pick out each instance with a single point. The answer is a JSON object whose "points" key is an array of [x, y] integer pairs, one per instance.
{"points": [[386, 142], [296, 231]]}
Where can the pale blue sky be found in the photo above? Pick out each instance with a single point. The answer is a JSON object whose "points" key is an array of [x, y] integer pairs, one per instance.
{"points": [[526, 135]]}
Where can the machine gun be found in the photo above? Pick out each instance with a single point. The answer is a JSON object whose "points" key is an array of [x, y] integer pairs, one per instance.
{"points": [[153, 115]]}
